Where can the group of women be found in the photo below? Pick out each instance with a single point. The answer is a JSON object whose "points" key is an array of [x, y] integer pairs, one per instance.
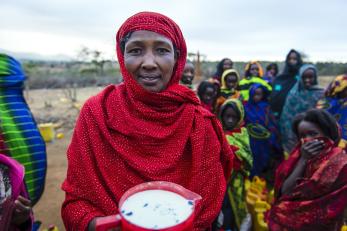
{"points": [[269, 117], [152, 127]]}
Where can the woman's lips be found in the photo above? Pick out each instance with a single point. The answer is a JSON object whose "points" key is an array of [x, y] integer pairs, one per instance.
{"points": [[149, 80]]}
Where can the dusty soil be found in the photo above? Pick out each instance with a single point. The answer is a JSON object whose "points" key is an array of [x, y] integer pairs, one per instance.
{"points": [[55, 106]]}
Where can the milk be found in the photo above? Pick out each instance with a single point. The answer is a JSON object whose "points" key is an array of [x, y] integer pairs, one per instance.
{"points": [[156, 209]]}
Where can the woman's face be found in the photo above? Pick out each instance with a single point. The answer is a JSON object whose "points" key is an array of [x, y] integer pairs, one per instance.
{"points": [[188, 73], [273, 71], [258, 95], [293, 59], [308, 130], [230, 118], [308, 78], [150, 58], [227, 64], [231, 81], [209, 95], [254, 70]]}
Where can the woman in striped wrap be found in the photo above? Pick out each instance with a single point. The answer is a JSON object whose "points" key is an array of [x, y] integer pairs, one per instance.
{"points": [[19, 135]]}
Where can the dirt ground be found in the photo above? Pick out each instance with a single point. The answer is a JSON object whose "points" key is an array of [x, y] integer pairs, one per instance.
{"points": [[55, 106]]}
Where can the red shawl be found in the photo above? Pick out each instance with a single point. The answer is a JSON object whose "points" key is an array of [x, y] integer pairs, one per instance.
{"points": [[319, 198], [126, 135]]}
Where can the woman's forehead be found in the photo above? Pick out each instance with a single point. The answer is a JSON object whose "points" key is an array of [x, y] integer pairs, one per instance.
{"points": [[144, 35]]}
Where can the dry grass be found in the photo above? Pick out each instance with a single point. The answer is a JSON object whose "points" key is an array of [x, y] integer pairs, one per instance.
{"points": [[325, 80]]}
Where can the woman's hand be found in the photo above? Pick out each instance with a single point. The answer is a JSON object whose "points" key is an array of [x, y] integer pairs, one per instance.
{"points": [[22, 210], [311, 149]]}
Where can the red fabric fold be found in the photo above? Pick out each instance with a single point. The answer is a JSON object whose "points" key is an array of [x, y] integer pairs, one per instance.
{"points": [[319, 198], [126, 136]]}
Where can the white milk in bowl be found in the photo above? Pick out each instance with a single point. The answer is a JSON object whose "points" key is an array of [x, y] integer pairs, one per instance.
{"points": [[156, 209]]}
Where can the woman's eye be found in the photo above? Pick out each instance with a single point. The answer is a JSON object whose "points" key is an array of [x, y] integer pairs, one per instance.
{"points": [[134, 51], [163, 50]]}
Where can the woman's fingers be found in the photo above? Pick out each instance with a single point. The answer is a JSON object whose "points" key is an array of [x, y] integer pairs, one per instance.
{"points": [[20, 207], [316, 149], [24, 201]]}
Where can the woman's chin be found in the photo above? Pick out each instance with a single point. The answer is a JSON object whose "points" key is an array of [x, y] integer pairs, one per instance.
{"points": [[152, 88]]}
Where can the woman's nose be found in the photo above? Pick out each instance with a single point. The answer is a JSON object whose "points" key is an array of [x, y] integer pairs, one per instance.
{"points": [[149, 61], [230, 120]]}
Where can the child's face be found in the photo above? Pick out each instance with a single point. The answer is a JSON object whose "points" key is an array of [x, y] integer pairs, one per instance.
{"points": [[272, 72], [188, 73], [231, 81], [308, 78], [209, 95], [254, 70], [227, 64], [308, 130], [258, 95], [230, 118]]}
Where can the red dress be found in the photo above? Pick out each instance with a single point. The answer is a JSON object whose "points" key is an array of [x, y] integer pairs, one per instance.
{"points": [[319, 198], [126, 136]]}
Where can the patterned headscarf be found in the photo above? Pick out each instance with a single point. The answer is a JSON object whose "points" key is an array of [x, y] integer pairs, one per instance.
{"points": [[336, 86], [225, 74], [236, 104]]}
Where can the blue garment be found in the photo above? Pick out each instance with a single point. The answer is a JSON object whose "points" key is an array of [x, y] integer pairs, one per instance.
{"points": [[299, 100], [338, 108], [19, 135], [263, 131]]}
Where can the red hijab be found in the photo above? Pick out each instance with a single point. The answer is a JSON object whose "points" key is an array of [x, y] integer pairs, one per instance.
{"points": [[319, 198], [126, 135]]}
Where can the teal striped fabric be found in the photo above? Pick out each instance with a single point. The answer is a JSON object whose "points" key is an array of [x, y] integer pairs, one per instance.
{"points": [[19, 135]]}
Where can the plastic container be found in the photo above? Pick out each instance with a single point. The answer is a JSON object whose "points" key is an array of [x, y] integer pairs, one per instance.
{"points": [[260, 224], [259, 182], [47, 131], [119, 220], [261, 206]]}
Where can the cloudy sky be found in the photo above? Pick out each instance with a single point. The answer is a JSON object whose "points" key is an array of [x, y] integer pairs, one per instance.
{"points": [[240, 29]]}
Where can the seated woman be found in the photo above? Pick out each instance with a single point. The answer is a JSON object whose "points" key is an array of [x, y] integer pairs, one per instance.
{"points": [[148, 128], [303, 96], [230, 82], [253, 74], [311, 186]]}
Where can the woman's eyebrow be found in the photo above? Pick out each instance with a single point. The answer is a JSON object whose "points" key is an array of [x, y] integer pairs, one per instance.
{"points": [[162, 42], [135, 43]]}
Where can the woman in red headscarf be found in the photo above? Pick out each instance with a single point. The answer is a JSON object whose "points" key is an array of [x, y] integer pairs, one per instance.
{"points": [[146, 129], [311, 186]]}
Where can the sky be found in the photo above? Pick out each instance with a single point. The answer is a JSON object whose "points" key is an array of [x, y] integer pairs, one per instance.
{"points": [[242, 30]]}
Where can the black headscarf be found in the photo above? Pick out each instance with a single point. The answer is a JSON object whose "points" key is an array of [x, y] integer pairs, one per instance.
{"points": [[284, 83]]}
